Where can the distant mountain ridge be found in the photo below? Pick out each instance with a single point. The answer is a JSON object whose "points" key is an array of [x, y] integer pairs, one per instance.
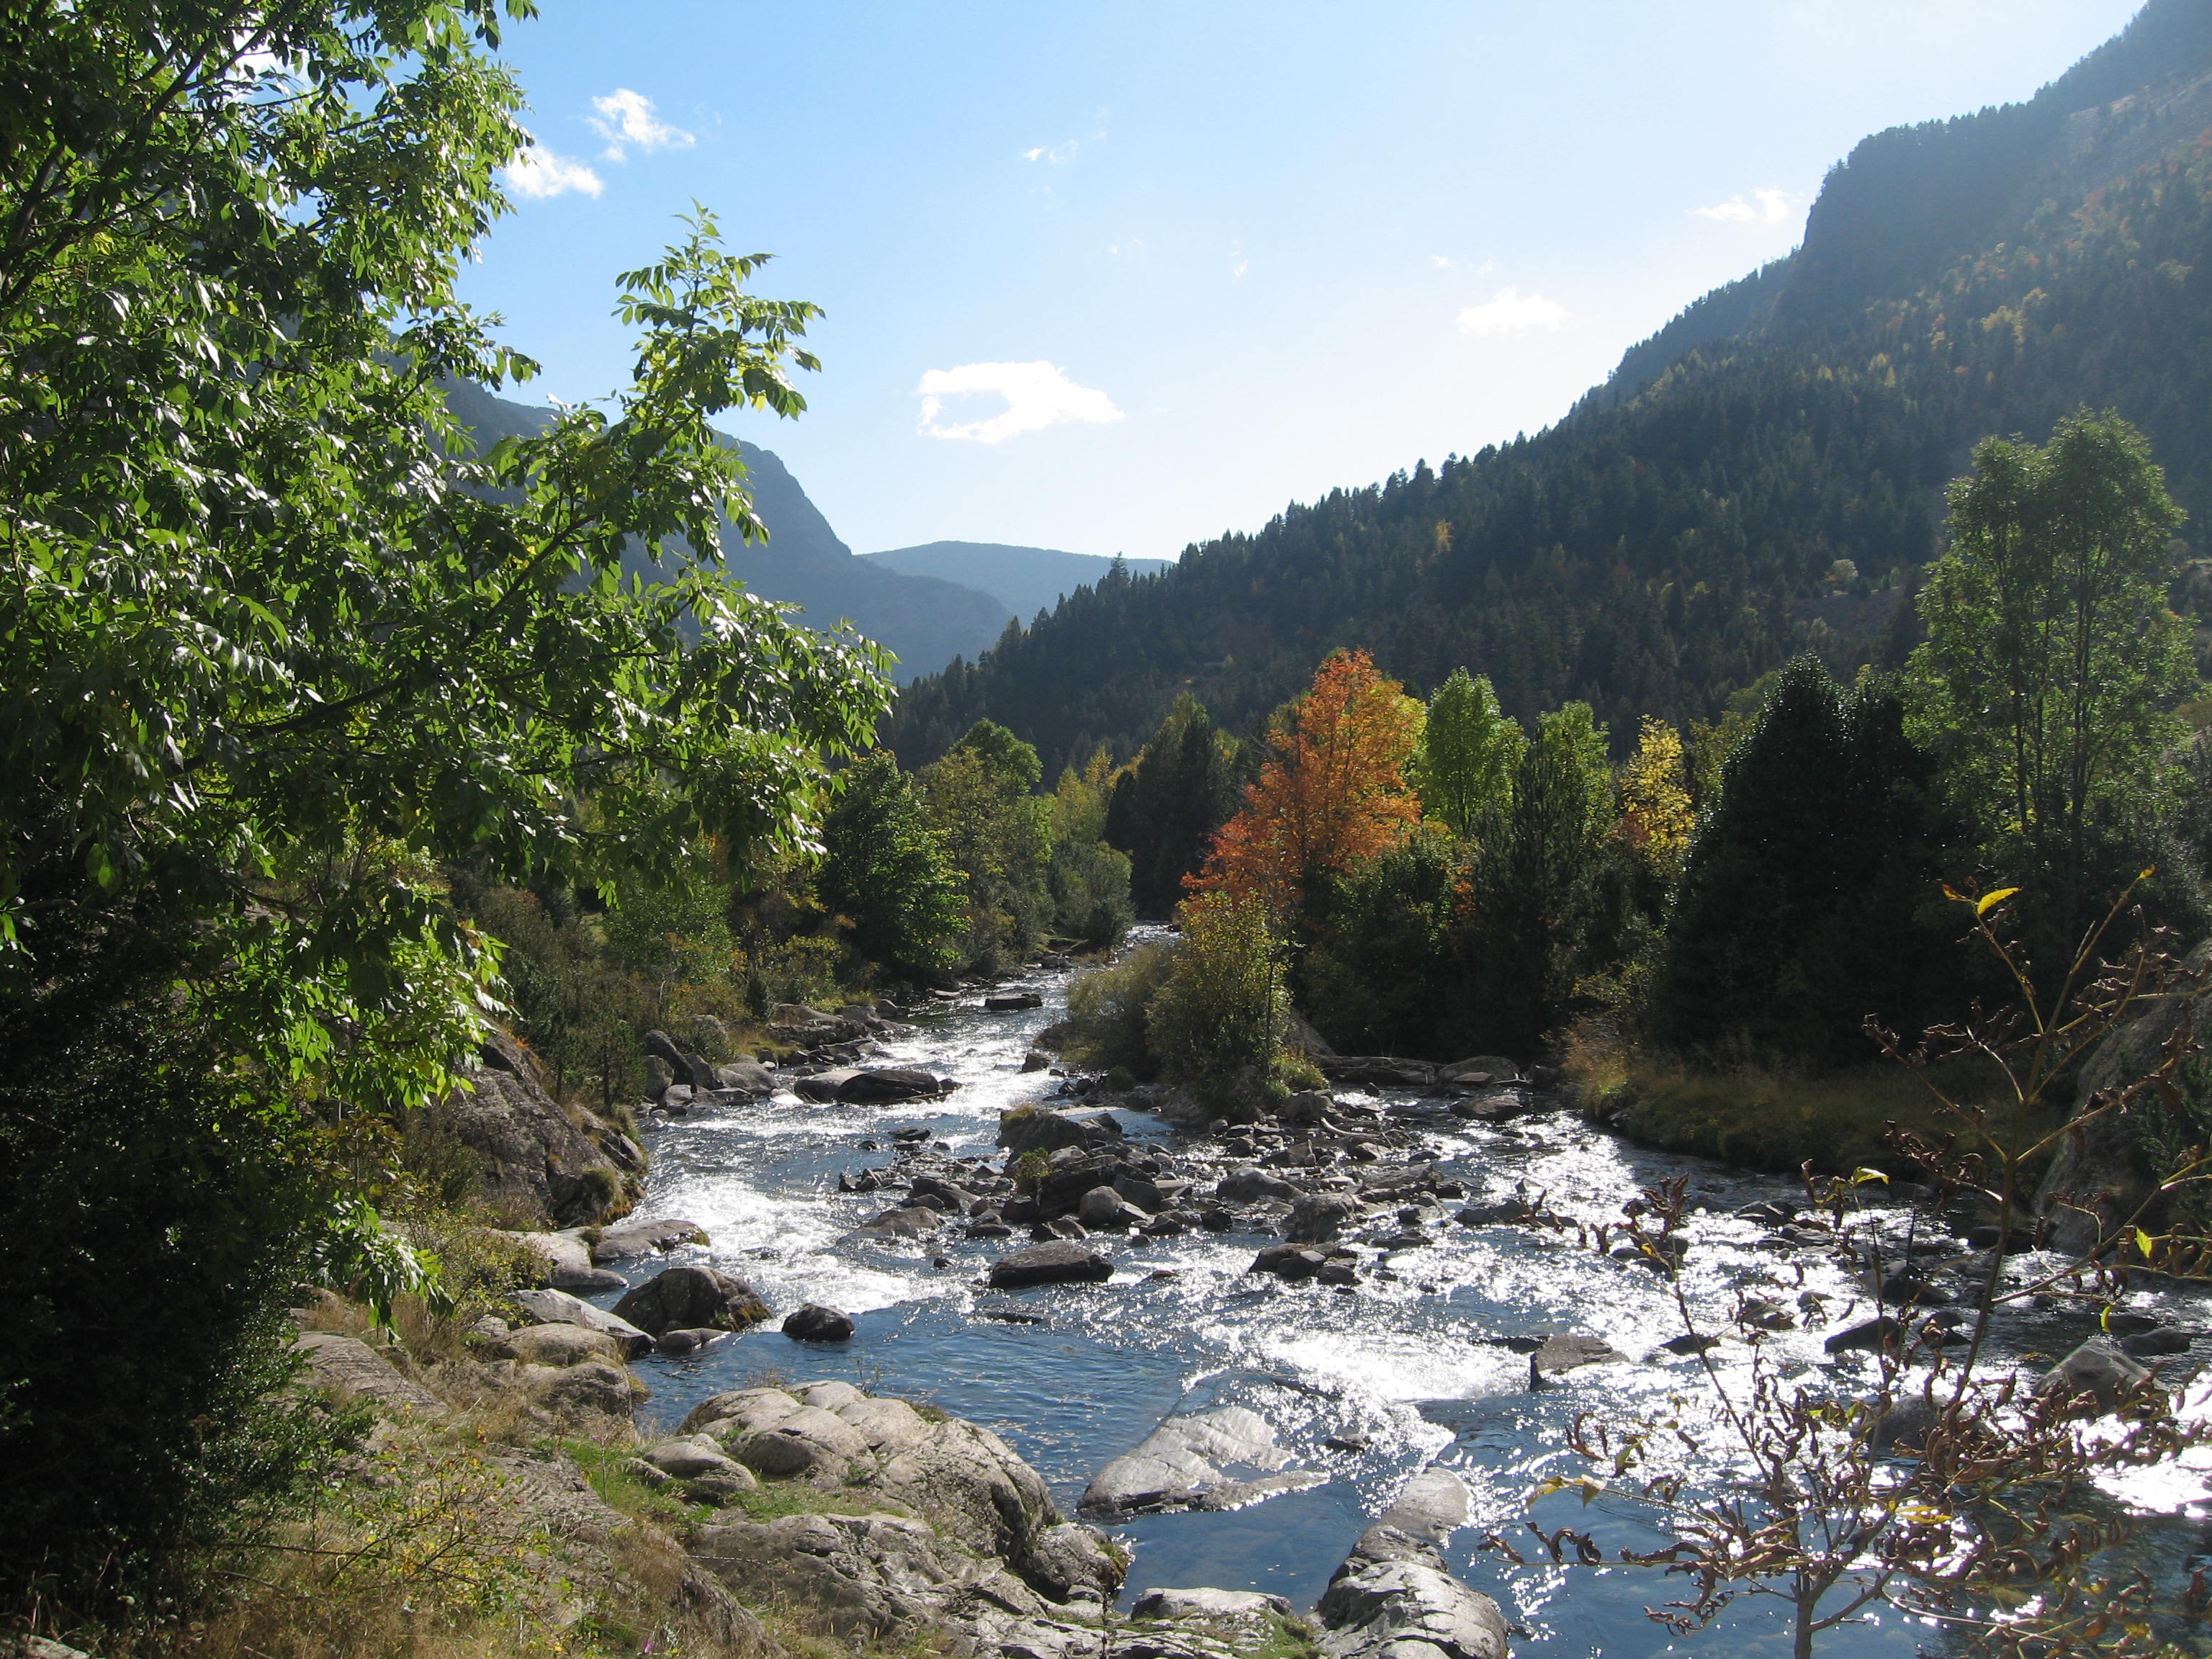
{"points": [[1781, 446], [1025, 580], [926, 621]]}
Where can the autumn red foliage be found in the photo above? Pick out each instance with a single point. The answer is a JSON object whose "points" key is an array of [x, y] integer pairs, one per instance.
{"points": [[1334, 793]]}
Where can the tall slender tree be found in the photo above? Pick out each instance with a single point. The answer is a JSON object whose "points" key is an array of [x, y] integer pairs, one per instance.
{"points": [[1469, 747]]}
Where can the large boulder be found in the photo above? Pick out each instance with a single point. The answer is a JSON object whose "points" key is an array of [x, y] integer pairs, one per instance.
{"points": [[1319, 1219], [1246, 1183], [562, 1345], [1205, 1603], [2097, 1371], [632, 1237], [1041, 1129], [1184, 1462], [559, 1308], [889, 1085], [347, 1365], [1392, 1599], [692, 1298], [687, 1068], [2099, 1180], [564, 1261], [747, 1077], [1377, 1071], [531, 1156], [1063, 1261], [816, 1323]]}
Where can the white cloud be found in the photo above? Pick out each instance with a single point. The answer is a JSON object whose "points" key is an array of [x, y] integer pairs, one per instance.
{"points": [[1037, 395], [1054, 154], [1765, 207], [627, 118], [539, 174], [1511, 312], [1240, 267]]}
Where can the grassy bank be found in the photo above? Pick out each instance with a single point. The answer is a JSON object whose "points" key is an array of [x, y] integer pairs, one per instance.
{"points": [[1763, 1119]]}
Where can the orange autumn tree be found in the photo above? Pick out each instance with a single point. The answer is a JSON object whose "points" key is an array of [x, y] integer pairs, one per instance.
{"points": [[1335, 793]]}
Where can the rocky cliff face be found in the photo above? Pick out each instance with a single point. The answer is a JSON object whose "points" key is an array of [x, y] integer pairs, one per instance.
{"points": [[530, 1157]]}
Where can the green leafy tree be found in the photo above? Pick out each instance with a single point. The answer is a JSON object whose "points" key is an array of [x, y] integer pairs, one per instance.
{"points": [[1166, 806], [887, 872], [1088, 878], [1812, 896], [1469, 748], [1535, 883], [2052, 667], [1382, 974], [997, 835], [1224, 1010], [276, 644]]}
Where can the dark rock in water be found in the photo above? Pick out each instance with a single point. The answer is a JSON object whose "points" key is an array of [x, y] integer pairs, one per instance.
{"points": [[1377, 1071], [1904, 1427], [1061, 1262], [1245, 1184], [913, 1221], [681, 1342], [1873, 1334], [688, 1068], [1483, 1069], [2096, 1369], [1686, 1344], [887, 1086], [1216, 1220], [1013, 1002], [1989, 1236], [1318, 1219], [1035, 1061], [692, 1298], [988, 1230], [1558, 1354], [2146, 1345], [1491, 1215], [1288, 1261], [911, 1134], [1772, 1211], [816, 1323], [823, 1086], [1907, 1291], [1348, 1442], [1041, 1129]]}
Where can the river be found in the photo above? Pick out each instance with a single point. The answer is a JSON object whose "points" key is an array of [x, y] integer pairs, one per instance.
{"points": [[1405, 1365]]}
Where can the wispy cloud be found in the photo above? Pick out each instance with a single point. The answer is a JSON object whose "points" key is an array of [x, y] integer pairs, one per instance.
{"points": [[1037, 395], [1054, 154], [1762, 207], [626, 119], [540, 173], [1511, 312]]}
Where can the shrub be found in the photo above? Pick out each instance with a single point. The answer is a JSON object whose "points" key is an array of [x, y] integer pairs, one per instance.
{"points": [[1225, 1009], [1106, 1011], [1378, 978]]}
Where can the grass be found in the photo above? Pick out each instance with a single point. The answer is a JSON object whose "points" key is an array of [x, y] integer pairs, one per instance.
{"points": [[1766, 1118]]}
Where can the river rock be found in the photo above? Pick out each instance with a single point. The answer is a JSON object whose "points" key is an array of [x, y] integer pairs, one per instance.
{"points": [[590, 1385], [1012, 1002], [1481, 1069], [1180, 1465], [889, 1085], [1208, 1604], [1041, 1129], [687, 1068], [1247, 1184], [561, 1345], [1871, 1336], [1558, 1354], [1392, 1599], [559, 1308], [746, 1076], [1062, 1261], [1307, 1110], [821, 1087], [352, 1367], [622, 1241], [2150, 1345], [1433, 1504], [1377, 1071], [1289, 1261], [680, 1343], [692, 1298], [2096, 1369], [912, 1221], [816, 1323], [1103, 1207], [1318, 1219], [567, 1262]]}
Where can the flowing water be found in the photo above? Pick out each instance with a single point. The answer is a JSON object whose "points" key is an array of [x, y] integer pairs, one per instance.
{"points": [[1084, 1372]]}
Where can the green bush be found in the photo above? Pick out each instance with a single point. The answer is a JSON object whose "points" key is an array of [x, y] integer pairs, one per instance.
{"points": [[1379, 977], [1106, 1012], [1225, 1009]]}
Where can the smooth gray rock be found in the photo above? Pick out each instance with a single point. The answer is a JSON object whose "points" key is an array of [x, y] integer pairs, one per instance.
{"points": [[1060, 1262], [888, 1085], [623, 1240], [680, 1342], [1433, 1504], [562, 1343], [1208, 1604], [1558, 1354], [1406, 1606], [1041, 1129], [559, 1308], [746, 1076], [351, 1366], [2096, 1369], [1103, 1207], [591, 1385], [1481, 1069], [692, 1298], [691, 1455], [1289, 1261], [1183, 1461]]}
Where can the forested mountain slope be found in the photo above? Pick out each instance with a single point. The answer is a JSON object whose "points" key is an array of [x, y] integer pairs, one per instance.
{"points": [[1025, 580], [924, 619], [1765, 475]]}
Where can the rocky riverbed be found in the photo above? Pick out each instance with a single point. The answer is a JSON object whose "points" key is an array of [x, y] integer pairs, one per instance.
{"points": [[1241, 1350]]}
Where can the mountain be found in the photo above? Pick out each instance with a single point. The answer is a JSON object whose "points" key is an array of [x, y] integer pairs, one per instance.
{"points": [[1025, 580], [1763, 476], [923, 619]]}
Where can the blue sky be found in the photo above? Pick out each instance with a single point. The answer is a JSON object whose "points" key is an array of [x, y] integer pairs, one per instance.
{"points": [[1118, 276]]}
